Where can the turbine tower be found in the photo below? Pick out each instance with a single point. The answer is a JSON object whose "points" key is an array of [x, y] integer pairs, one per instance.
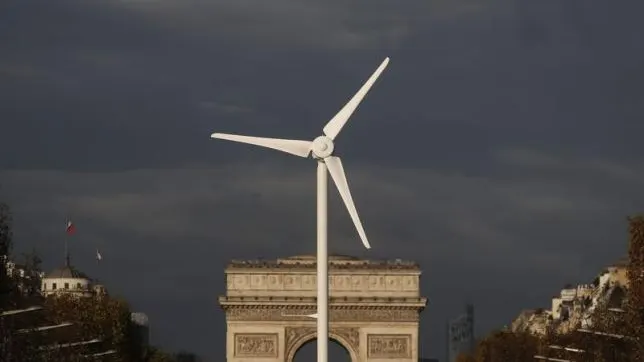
{"points": [[321, 149]]}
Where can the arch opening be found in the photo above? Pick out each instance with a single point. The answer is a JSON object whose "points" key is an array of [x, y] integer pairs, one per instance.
{"points": [[307, 352]]}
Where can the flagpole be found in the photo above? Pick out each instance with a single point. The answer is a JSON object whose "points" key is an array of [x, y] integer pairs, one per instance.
{"points": [[67, 245], [68, 231], [66, 250]]}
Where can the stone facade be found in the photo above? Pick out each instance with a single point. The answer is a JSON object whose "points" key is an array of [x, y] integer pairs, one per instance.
{"points": [[374, 308]]}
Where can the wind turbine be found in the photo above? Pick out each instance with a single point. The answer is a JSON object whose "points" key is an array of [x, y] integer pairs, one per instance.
{"points": [[321, 149]]}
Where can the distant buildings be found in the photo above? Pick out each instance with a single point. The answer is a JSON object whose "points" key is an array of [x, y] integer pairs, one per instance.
{"points": [[22, 276], [460, 334], [573, 306]]}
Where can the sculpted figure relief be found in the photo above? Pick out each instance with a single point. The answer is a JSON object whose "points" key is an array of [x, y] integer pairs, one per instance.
{"points": [[344, 315], [389, 346], [256, 345]]}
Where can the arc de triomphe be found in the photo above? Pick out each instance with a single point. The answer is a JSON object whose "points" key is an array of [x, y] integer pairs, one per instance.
{"points": [[374, 308]]}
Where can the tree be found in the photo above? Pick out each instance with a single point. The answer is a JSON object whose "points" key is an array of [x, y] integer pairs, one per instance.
{"points": [[156, 355], [6, 283], [635, 305], [503, 346], [29, 284], [95, 317], [465, 357], [183, 356], [6, 244]]}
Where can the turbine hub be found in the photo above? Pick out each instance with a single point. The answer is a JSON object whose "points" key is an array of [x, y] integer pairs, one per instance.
{"points": [[322, 147]]}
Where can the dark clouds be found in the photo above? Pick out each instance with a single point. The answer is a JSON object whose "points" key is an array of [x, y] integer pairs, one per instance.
{"points": [[500, 148]]}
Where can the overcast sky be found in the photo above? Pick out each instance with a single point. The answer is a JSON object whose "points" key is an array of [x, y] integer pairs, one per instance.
{"points": [[501, 149]]}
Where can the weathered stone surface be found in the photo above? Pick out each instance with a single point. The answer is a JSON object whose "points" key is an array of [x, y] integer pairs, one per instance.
{"points": [[389, 346], [256, 345], [364, 314], [374, 308]]}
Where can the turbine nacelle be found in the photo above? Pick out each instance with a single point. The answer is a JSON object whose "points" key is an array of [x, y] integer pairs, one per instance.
{"points": [[322, 147]]}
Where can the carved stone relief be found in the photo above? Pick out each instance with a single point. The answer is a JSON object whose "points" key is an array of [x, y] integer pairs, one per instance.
{"points": [[293, 282], [344, 282], [272, 282], [239, 282], [411, 283], [258, 282], [392, 282], [256, 345], [308, 282], [335, 315], [389, 346], [373, 282]]}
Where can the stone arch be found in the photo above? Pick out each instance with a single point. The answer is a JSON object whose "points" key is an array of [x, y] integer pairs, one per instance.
{"points": [[312, 335], [374, 308]]}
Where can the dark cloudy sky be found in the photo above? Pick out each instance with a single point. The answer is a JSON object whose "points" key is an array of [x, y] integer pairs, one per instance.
{"points": [[501, 149]]}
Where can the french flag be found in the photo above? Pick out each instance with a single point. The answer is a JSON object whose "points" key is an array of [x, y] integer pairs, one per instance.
{"points": [[71, 229]]}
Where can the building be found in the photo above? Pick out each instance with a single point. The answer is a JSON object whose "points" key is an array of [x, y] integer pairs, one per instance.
{"points": [[22, 275], [574, 305], [69, 280], [460, 334], [142, 325]]}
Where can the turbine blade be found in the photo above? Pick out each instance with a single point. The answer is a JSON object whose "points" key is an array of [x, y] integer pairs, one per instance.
{"points": [[294, 147], [335, 125], [340, 179]]}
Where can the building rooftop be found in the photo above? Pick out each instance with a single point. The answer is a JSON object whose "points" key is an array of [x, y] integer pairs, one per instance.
{"points": [[332, 257], [66, 271], [335, 262]]}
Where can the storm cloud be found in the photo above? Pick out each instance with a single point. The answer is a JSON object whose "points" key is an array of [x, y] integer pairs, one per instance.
{"points": [[500, 149]]}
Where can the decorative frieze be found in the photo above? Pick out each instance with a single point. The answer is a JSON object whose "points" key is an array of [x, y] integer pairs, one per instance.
{"points": [[308, 282], [389, 346], [335, 315], [256, 345]]}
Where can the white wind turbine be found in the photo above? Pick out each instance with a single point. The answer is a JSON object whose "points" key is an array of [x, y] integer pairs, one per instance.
{"points": [[322, 151]]}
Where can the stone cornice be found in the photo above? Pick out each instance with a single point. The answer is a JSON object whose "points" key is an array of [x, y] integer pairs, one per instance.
{"points": [[337, 263], [339, 303]]}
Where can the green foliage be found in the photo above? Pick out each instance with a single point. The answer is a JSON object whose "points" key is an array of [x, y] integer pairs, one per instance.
{"points": [[635, 306], [6, 235], [503, 346], [96, 317], [156, 355], [464, 357]]}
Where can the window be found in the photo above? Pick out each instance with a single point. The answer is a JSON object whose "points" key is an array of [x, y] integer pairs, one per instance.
{"points": [[44, 286], [53, 286], [78, 286], [66, 285]]}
